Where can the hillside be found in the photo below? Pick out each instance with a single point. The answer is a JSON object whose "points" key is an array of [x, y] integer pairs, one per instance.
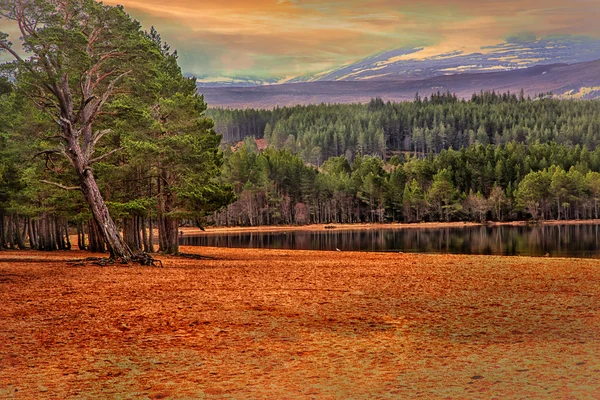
{"points": [[580, 80], [421, 63], [515, 53]]}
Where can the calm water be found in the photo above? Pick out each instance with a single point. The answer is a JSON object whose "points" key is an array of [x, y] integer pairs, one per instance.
{"points": [[557, 241]]}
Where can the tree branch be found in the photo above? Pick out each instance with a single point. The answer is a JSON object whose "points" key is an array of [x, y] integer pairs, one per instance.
{"points": [[5, 46], [58, 185], [103, 77], [90, 148], [46, 153], [103, 156], [100, 102]]}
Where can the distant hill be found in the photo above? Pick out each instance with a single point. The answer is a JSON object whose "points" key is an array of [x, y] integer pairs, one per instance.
{"points": [[579, 80], [419, 63], [516, 53], [234, 82]]}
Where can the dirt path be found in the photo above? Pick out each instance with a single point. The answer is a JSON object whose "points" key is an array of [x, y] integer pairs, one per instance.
{"points": [[283, 324]]}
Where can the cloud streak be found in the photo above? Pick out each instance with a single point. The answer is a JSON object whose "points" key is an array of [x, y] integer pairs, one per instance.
{"points": [[294, 37]]}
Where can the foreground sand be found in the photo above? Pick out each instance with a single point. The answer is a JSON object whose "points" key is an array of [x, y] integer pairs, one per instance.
{"points": [[303, 324]]}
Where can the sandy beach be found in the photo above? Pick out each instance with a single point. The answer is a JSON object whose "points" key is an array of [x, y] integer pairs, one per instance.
{"points": [[300, 324]]}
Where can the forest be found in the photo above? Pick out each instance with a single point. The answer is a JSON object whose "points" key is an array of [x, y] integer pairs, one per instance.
{"points": [[423, 126], [476, 183], [498, 157], [101, 135]]}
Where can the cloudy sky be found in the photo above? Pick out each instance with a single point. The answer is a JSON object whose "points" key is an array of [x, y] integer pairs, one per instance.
{"points": [[284, 38]]}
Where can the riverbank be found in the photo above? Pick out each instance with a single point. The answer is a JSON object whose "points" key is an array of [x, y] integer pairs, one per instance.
{"points": [[189, 231], [300, 324]]}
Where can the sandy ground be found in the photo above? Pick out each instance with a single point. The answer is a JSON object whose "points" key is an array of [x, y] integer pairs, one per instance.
{"points": [[282, 324]]}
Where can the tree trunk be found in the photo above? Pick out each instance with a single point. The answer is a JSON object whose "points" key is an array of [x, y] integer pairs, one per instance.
{"points": [[80, 236], [169, 233], [18, 236], [108, 229], [2, 235], [58, 235], [10, 235], [96, 242], [168, 228], [40, 229], [46, 234], [51, 234], [33, 242], [145, 235], [130, 233], [150, 236], [67, 238], [138, 233]]}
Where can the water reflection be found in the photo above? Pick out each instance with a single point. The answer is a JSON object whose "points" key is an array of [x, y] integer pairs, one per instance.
{"points": [[554, 240]]}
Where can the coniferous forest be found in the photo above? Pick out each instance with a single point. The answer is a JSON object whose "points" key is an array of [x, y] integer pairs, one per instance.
{"points": [[498, 157], [101, 134]]}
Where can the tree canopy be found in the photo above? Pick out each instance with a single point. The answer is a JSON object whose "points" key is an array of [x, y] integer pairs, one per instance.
{"points": [[113, 119], [101, 133]]}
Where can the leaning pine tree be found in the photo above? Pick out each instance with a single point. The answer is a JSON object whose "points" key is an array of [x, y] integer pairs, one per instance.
{"points": [[79, 56]]}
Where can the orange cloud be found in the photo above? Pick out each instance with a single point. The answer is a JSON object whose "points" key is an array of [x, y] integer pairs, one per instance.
{"points": [[293, 37]]}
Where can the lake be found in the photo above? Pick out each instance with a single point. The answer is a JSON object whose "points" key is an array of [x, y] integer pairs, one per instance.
{"points": [[535, 240]]}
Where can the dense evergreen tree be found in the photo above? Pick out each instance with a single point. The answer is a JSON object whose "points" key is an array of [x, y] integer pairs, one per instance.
{"points": [[79, 54], [429, 125], [116, 132], [475, 183], [496, 156]]}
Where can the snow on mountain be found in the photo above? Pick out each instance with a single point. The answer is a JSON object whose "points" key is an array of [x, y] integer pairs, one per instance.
{"points": [[406, 64], [411, 64]]}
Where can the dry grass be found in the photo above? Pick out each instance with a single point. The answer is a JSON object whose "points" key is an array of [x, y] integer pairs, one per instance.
{"points": [[300, 324]]}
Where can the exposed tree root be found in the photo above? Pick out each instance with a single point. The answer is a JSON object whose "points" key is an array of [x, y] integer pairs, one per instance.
{"points": [[194, 256], [82, 262], [143, 259], [146, 259]]}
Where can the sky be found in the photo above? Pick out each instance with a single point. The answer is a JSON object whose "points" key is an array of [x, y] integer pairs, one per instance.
{"points": [[289, 38]]}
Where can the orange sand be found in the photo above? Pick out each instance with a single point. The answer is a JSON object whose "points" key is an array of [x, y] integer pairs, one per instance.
{"points": [[300, 324]]}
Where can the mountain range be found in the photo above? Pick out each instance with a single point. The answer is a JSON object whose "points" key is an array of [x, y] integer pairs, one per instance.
{"points": [[567, 66]]}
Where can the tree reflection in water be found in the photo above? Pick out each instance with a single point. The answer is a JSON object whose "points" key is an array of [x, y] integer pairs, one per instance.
{"points": [[555, 240]]}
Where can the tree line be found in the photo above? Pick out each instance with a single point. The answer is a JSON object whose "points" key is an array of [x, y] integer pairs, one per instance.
{"points": [[512, 181], [421, 127]]}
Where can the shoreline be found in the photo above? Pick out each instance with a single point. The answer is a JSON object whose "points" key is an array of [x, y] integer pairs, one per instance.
{"points": [[192, 231]]}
